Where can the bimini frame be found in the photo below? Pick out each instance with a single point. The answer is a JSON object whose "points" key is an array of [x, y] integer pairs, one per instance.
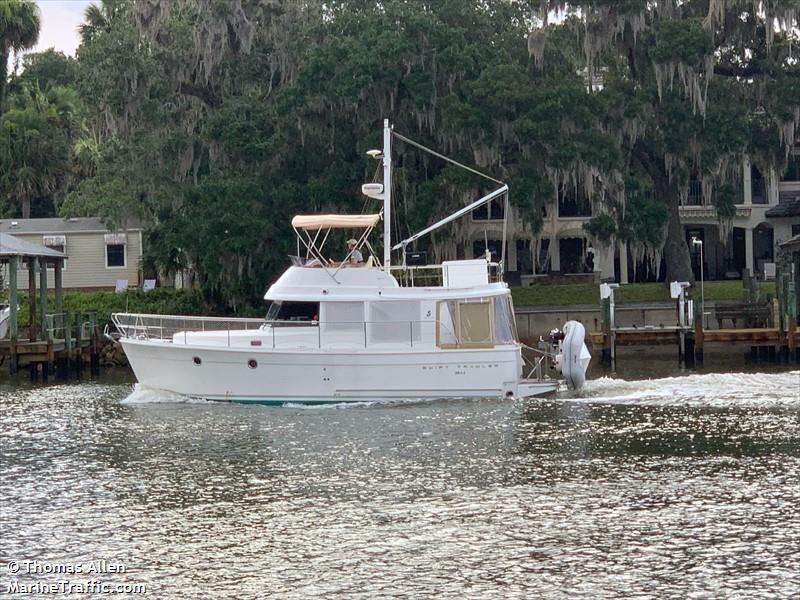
{"points": [[304, 225]]}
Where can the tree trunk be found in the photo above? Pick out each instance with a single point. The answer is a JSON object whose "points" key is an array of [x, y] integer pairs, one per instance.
{"points": [[4, 56], [26, 208], [676, 252]]}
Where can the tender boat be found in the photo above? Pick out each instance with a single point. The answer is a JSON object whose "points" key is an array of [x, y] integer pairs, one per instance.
{"points": [[351, 331]]}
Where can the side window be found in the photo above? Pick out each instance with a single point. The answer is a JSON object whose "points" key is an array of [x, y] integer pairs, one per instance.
{"points": [[475, 323], [343, 316], [115, 255], [466, 324]]}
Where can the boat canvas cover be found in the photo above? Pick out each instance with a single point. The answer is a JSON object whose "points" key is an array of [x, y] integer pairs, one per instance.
{"points": [[334, 221]]}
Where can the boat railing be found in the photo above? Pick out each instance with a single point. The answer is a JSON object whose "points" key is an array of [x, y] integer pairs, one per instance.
{"points": [[433, 275], [278, 334], [166, 327]]}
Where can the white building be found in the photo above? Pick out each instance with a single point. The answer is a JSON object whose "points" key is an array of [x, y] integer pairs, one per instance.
{"points": [[766, 215]]}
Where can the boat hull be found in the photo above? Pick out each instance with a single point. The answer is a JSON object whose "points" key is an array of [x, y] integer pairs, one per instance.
{"points": [[268, 376]]}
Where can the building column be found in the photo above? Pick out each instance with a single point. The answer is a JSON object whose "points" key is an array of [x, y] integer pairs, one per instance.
{"points": [[748, 250], [555, 254], [33, 267], [773, 187], [512, 255], [747, 180], [623, 262], [13, 265], [57, 283], [604, 259], [43, 297]]}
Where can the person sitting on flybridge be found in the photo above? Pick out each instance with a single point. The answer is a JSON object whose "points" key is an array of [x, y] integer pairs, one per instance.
{"points": [[355, 256]]}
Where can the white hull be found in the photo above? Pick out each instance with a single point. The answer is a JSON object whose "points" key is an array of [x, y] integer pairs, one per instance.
{"points": [[330, 376]]}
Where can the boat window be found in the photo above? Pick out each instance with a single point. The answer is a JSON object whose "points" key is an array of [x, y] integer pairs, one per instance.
{"points": [[446, 319], [394, 321], [343, 316], [304, 312], [475, 323], [470, 323], [504, 330]]}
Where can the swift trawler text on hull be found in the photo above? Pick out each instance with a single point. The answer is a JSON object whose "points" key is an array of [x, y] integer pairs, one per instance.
{"points": [[350, 331]]}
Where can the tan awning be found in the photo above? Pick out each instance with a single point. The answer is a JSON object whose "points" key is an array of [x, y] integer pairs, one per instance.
{"points": [[334, 221]]}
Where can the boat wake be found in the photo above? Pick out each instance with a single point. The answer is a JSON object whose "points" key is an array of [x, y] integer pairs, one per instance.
{"points": [[142, 394], [711, 389]]}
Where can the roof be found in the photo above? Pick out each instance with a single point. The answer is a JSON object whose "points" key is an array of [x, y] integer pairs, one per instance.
{"points": [[791, 243], [59, 225], [788, 206], [334, 221], [13, 246]]}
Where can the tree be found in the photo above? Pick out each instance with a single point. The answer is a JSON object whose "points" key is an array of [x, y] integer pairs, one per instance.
{"points": [[36, 134], [688, 89], [211, 114], [19, 30]]}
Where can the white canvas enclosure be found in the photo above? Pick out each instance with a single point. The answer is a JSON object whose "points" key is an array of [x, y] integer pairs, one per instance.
{"points": [[335, 221]]}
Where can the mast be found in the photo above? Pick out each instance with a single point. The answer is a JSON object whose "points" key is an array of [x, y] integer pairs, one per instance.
{"points": [[387, 195]]}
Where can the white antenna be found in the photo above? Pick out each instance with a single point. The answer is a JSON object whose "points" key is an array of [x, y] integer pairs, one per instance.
{"points": [[387, 195]]}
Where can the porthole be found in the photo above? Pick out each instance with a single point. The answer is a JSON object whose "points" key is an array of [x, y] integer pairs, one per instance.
{"points": [[252, 363], [197, 360]]}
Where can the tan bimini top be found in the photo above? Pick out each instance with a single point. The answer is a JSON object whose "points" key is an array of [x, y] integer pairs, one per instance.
{"points": [[334, 221]]}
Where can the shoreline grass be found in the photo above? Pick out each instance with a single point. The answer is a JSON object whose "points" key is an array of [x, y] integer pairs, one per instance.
{"points": [[586, 293]]}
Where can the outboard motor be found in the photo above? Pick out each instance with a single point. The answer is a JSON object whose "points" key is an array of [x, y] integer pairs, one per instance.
{"points": [[572, 357]]}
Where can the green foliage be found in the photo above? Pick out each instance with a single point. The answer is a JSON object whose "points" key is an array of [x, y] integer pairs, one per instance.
{"points": [[576, 294], [160, 301], [601, 227], [19, 30]]}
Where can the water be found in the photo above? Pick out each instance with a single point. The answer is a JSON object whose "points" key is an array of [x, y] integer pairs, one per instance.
{"points": [[673, 486]]}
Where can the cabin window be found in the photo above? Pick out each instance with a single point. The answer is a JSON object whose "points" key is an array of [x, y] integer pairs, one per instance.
{"points": [[343, 316], [475, 323], [395, 321], [446, 324], [115, 255], [465, 323], [504, 326], [294, 312]]}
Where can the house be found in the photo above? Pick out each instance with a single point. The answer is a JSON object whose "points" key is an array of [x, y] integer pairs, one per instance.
{"points": [[97, 258], [767, 214]]}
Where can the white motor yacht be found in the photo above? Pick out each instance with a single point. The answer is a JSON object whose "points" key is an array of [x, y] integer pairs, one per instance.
{"points": [[351, 331]]}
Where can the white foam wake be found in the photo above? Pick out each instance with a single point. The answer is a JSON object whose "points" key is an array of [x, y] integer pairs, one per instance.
{"points": [[141, 394], [711, 389]]}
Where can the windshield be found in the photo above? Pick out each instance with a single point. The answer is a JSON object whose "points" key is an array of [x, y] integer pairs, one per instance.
{"points": [[303, 312]]}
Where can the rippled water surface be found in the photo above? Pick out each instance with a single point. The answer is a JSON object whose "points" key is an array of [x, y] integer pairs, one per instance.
{"points": [[671, 487]]}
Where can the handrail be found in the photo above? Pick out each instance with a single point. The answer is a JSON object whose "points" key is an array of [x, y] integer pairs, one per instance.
{"points": [[190, 318], [159, 327]]}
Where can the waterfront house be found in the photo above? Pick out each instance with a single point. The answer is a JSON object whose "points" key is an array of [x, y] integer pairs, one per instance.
{"points": [[98, 258], [767, 214]]}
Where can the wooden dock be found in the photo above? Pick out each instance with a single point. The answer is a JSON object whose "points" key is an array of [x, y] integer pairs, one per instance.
{"points": [[65, 346], [644, 336]]}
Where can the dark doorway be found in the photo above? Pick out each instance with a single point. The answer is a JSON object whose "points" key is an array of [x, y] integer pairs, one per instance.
{"points": [[524, 257], [572, 255], [738, 254]]}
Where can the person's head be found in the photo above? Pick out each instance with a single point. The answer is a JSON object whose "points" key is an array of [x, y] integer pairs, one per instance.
{"points": [[351, 243]]}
